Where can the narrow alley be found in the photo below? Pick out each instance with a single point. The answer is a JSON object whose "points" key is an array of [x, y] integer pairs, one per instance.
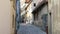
{"points": [[31, 16]]}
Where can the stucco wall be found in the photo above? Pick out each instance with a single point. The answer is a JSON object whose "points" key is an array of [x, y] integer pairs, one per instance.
{"points": [[40, 13], [54, 8], [5, 19], [13, 16]]}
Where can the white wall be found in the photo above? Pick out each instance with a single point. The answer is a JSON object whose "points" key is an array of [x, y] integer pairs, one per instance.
{"points": [[38, 2], [5, 17]]}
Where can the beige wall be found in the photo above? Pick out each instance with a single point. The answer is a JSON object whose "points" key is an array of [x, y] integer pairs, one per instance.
{"points": [[5, 19], [54, 8], [12, 4]]}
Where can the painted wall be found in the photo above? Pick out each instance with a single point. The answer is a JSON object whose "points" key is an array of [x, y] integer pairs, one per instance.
{"points": [[5, 19]]}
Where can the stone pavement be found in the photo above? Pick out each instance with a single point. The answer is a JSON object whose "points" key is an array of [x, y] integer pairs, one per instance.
{"points": [[29, 29]]}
